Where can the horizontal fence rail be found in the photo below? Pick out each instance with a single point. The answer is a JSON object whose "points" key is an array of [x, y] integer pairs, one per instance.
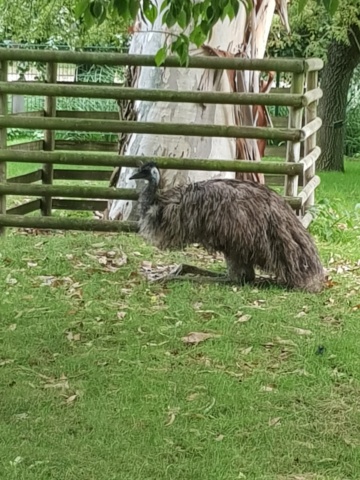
{"points": [[112, 160], [152, 95], [82, 224], [122, 59], [89, 192], [75, 204], [68, 191], [115, 126]]}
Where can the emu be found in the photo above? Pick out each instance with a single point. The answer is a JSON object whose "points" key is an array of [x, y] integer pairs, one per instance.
{"points": [[250, 224]]}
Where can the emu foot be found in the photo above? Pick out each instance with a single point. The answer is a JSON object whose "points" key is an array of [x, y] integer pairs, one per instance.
{"points": [[188, 272], [264, 282]]}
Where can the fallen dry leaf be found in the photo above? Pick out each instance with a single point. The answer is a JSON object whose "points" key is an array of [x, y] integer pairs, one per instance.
{"points": [[259, 303], [47, 280], [192, 396], [267, 388], [6, 362], [12, 327], [194, 338], [246, 351], [331, 321], [210, 406], [330, 302], [171, 420], [172, 415], [146, 265], [219, 438], [242, 318], [197, 305], [102, 260], [71, 399], [73, 337], [273, 422], [121, 315], [330, 283], [301, 372], [21, 416], [10, 280], [61, 384], [300, 331], [283, 341]]}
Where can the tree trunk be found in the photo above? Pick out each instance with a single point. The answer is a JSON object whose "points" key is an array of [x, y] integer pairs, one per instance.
{"points": [[246, 35], [335, 81]]}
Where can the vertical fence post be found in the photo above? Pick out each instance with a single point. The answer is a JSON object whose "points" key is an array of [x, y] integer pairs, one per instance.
{"points": [[49, 140], [310, 143], [3, 137], [293, 148]]}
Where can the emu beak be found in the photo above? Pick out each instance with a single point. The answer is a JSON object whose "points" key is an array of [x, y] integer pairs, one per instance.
{"points": [[137, 176]]}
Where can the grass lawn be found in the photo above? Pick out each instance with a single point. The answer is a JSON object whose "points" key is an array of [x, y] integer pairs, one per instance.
{"points": [[97, 383]]}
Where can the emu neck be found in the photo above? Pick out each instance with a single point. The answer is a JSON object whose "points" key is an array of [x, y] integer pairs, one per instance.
{"points": [[147, 197]]}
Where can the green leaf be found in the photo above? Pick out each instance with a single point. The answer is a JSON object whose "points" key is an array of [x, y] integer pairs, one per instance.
{"points": [[80, 7], [196, 12], [228, 11], [205, 27], [122, 7], [187, 10], [134, 6], [168, 19], [181, 48], [183, 53], [151, 13], [164, 4], [102, 17], [160, 56], [176, 8], [96, 9], [89, 19], [236, 6], [210, 13], [181, 20], [197, 36]]}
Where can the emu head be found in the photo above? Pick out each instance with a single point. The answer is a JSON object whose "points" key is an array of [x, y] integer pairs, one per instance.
{"points": [[149, 171]]}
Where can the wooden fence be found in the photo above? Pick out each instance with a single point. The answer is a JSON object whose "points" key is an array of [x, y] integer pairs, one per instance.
{"points": [[300, 135]]}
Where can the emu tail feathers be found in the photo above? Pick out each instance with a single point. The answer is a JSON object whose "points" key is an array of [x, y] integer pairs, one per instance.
{"points": [[295, 259]]}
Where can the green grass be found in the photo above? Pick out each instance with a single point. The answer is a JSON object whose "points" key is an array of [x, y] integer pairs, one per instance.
{"points": [[97, 384]]}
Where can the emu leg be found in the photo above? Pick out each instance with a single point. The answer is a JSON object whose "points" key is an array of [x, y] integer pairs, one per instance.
{"points": [[238, 271], [185, 272]]}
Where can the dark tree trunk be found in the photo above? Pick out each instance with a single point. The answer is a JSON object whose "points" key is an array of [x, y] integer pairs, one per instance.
{"points": [[335, 81]]}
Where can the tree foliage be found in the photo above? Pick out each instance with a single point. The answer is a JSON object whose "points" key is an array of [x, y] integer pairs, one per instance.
{"points": [[195, 20], [313, 28], [76, 22], [55, 23]]}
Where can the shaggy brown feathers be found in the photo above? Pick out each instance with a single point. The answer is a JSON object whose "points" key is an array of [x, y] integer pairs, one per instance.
{"points": [[250, 224]]}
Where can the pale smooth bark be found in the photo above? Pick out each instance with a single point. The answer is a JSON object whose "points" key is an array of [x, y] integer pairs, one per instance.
{"points": [[246, 34]]}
